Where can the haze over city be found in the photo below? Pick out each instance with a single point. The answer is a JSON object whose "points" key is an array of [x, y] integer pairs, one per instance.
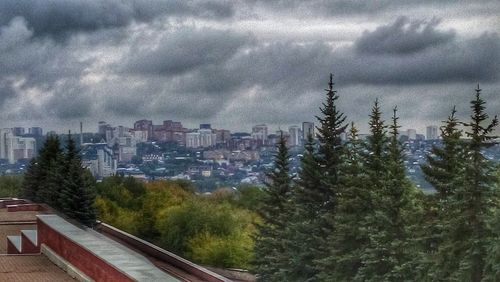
{"points": [[235, 64]]}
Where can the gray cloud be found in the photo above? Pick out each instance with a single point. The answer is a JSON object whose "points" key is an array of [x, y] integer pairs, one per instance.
{"points": [[403, 37], [350, 8], [185, 60], [60, 18], [185, 49]]}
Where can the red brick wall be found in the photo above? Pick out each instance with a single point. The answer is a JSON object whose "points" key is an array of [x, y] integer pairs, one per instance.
{"points": [[27, 246], [11, 249], [84, 260]]}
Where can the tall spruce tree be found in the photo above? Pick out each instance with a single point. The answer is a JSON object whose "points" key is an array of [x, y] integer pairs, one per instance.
{"points": [[38, 186], [446, 161], [302, 265], [76, 198], [270, 258], [398, 208], [444, 164], [375, 149], [374, 156], [466, 231], [349, 239], [385, 258], [330, 157], [31, 180]]}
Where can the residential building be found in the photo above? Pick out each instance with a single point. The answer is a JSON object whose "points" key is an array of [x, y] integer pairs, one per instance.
{"points": [[15, 148], [412, 134], [99, 158], [432, 132], [295, 135], [259, 134], [307, 129]]}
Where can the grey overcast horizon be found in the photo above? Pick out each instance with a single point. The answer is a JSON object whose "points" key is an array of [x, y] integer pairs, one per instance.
{"points": [[238, 63]]}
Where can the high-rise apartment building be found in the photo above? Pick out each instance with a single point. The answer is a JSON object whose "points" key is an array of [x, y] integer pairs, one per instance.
{"points": [[259, 134], [99, 159], [15, 148], [295, 135], [432, 132], [412, 134], [144, 125], [35, 131], [203, 138], [307, 129]]}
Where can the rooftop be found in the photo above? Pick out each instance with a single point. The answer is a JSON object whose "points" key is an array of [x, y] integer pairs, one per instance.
{"points": [[30, 268]]}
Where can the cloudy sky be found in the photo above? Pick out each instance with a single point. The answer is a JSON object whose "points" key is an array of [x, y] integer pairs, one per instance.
{"points": [[239, 63]]}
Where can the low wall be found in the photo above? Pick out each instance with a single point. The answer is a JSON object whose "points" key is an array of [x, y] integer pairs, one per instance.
{"points": [[162, 254], [14, 201], [24, 207], [78, 256], [27, 246]]}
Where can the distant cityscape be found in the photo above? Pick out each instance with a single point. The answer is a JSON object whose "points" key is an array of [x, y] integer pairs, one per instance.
{"points": [[209, 157]]}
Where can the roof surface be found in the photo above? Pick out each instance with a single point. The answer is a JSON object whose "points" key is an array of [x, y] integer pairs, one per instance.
{"points": [[30, 268]]}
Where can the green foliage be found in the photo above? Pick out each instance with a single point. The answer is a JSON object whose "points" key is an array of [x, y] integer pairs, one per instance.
{"points": [[11, 186], [270, 251], [227, 251], [250, 197], [349, 238], [171, 215]]}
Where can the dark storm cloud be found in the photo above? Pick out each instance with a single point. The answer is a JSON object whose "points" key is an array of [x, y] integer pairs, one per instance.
{"points": [[186, 49], [61, 17], [335, 8], [199, 73], [6, 91], [185, 60], [68, 101], [403, 37]]}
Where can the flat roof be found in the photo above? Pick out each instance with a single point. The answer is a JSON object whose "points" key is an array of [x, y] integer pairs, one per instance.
{"points": [[31, 268], [124, 259]]}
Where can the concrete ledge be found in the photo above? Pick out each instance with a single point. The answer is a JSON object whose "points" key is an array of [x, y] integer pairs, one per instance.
{"points": [[64, 265], [162, 254]]}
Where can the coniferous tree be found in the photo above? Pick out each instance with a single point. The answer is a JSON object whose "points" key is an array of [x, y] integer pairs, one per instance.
{"points": [[386, 256], [349, 239], [38, 186], [270, 260], [444, 164], [462, 254], [398, 207], [31, 180], [374, 156], [76, 198], [330, 158], [302, 266]]}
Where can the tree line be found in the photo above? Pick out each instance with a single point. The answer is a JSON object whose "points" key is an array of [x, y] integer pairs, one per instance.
{"points": [[56, 177], [213, 229], [351, 214]]}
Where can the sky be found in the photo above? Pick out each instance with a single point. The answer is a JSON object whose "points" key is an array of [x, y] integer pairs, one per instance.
{"points": [[237, 63]]}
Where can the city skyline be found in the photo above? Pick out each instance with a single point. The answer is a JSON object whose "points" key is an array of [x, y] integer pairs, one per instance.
{"points": [[240, 63]]}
